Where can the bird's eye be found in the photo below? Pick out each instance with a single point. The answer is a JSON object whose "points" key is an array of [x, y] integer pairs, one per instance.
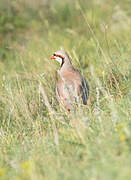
{"points": [[54, 54]]}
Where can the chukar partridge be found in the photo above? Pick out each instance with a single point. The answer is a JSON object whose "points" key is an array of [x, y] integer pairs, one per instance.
{"points": [[72, 87]]}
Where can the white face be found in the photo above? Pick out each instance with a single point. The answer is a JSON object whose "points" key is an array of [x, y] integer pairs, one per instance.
{"points": [[59, 59]]}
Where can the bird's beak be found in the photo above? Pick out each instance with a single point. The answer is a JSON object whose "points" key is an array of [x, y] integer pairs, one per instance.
{"points": [[52, 57]]}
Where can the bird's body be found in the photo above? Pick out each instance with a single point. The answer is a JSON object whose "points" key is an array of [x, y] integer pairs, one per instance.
{"points": [[71, 88]]}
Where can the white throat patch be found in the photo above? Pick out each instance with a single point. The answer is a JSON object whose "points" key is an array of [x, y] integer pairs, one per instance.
{"points": [[59, 60]]}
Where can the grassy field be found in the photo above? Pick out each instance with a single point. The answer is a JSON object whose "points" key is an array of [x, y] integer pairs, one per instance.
{"points": [[38, 140]]}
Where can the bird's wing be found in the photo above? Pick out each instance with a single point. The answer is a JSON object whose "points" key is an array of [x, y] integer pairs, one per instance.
{"points": [[84, 89]]}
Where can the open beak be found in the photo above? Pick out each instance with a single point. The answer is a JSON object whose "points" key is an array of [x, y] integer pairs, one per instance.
{"points": [[52, 57]]}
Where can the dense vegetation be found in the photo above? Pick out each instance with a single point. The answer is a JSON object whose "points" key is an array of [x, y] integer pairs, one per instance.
{"points": [[38, 140]]}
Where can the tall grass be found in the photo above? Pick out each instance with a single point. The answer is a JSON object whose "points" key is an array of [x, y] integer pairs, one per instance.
{"points": [[39, 140]]}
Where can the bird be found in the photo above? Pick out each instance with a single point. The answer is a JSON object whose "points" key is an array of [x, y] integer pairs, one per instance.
{"points": [[72, 88]]}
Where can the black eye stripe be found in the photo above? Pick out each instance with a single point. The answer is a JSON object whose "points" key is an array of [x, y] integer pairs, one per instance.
{"points": [[57, 55]]}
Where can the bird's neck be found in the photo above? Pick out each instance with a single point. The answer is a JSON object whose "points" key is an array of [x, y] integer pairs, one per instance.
{"points": [[66, 66]]}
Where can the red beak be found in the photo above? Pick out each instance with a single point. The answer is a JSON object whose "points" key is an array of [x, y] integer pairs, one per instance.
{"points": [[52, 57]]}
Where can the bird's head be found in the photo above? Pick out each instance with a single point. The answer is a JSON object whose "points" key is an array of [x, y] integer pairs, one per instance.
{"points": [[61, 56]]}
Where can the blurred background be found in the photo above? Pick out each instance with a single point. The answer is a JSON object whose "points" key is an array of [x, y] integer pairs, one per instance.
{"points": [[23, 21], [95, 33]]}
